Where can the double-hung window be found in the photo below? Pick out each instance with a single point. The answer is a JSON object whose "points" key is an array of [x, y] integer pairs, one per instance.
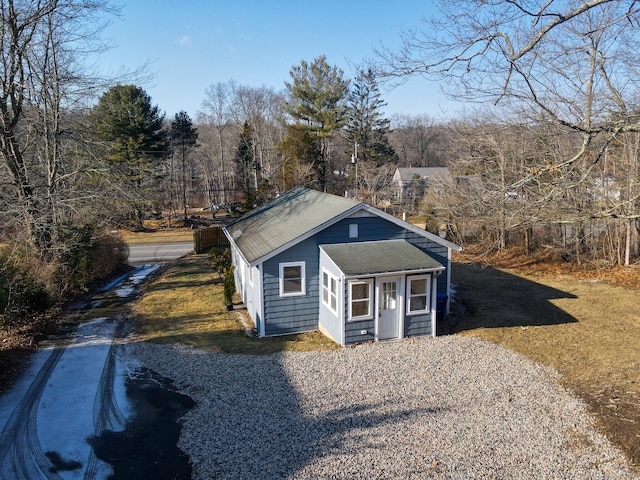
{"points": [[292, 279], [418, 293], [361, 300], [330, 291]]}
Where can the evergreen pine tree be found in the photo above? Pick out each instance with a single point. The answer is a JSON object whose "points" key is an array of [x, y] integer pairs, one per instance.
{"points": [[183, 139], [366, 126], [135, 140], [317, 102]]}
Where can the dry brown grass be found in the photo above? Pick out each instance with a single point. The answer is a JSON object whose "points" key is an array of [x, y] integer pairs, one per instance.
{"points": [[184, 305], [576, 320], [179, 230], [157, 236]]}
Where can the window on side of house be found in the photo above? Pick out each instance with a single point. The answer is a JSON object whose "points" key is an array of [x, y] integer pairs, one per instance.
{"points": [[292, 279], [330, 291], [353, 230], [361, 300], [418, 294]]}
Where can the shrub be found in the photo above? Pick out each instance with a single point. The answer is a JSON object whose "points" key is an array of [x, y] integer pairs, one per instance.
{"points": [[220, 259], [85, 257], [30, 286], [229, 286], [23, 292]]}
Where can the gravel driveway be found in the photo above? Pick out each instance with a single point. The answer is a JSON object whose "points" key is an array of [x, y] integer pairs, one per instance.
{"points": [[451, 407]]}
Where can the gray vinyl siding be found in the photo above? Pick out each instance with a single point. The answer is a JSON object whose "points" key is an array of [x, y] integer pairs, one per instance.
{"points": [[435, 250], [286, 315], [417, 325], [353, 329], [369, 229]]}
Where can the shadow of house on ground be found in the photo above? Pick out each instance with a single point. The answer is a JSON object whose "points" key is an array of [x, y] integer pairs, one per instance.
{"points": [[253, 425], [494, 298]]}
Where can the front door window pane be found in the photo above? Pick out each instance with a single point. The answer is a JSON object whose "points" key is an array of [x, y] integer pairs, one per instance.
{"points": [[389, 295]]}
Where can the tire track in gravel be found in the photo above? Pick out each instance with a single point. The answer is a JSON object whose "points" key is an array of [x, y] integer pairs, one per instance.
{"points": [[21, 457], [106, 411]]}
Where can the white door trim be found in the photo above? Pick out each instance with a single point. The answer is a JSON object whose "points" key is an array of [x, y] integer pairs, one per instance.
{"points": [[399, 310]]}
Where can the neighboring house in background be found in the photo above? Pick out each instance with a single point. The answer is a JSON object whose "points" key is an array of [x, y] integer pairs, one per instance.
{"points": [[313, 261], [413, 183]]}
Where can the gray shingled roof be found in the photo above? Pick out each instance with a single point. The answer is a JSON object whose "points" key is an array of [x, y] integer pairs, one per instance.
{"points": [[406, 174], [362, 258], [285, 219]]}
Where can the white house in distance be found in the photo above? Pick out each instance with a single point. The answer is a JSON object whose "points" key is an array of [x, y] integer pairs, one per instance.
{"points": [[309, 260]]}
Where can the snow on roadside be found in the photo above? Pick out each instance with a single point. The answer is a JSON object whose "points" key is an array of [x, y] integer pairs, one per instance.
{"points": [[138, 276], [66, 409]]}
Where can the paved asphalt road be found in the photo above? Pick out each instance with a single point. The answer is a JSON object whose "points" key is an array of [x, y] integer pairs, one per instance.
{"points": [[158, 252]]}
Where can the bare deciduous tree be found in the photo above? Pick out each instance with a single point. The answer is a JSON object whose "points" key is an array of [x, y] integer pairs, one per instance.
{"points": [[42, 46], [557, 64], [216, 113]]}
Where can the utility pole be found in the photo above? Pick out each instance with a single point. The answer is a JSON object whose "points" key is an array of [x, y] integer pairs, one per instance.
{"points": [[354, 161]]}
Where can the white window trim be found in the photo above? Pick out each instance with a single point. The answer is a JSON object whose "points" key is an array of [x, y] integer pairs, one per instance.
{"points": [[369, 315], [427, 293], [330, 294], [303, 279], [353, 230]]}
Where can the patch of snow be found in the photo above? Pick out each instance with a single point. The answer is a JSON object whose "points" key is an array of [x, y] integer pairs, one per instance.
{"points": [[66, 408], [125, 291], [141, 273]]}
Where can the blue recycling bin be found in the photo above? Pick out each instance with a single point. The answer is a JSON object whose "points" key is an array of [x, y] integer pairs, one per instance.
{"points": [[441, 305]]}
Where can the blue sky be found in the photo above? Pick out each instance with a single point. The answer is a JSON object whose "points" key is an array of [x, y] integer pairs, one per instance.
{"points": [[192, 44]]}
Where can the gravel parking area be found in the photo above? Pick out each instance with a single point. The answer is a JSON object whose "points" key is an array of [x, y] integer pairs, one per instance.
{"points": [[450, 408]]}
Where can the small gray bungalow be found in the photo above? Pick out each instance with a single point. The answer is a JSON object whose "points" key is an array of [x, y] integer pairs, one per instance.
{"points": [[314, 261]]}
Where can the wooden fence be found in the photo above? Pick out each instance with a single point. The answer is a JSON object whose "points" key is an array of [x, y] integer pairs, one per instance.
{"points": [[205, 238]]}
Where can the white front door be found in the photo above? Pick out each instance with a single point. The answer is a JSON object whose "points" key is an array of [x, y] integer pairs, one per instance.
{"points": [[388, 322]]}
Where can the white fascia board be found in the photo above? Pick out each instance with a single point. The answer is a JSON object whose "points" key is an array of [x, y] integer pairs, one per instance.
{"points": [[437, 271], [233, 244], [413, 228]]}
